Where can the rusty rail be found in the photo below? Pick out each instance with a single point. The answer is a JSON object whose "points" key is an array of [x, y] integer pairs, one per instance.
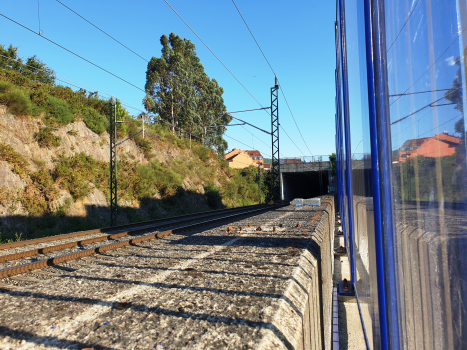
{"points": [[115, 228], [73, 256]]}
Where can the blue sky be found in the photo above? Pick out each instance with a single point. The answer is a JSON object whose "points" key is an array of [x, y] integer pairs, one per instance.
{"points": [[296, 36]]}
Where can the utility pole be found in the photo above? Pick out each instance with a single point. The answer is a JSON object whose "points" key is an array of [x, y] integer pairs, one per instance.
{"points": [[275, 166], [113, 163]]}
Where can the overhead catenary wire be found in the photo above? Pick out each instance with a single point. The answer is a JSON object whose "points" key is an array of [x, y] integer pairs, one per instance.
{"points": [[212, 52], [441, 55], [282, 89], [418, 92], [110, 36], [410, 15], [73, 53], [249, 110], [124, 103], [148, 61]]}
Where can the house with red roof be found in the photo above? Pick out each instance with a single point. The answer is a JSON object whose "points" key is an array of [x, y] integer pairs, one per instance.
{"points": [[239, 159], [441, 145]]}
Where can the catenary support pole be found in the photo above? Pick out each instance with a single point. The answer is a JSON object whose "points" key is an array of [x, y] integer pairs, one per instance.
{"points": [[275, 166], [113, 164]]}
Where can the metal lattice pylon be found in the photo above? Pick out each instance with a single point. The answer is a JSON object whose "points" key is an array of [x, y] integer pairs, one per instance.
{"points": [[113, 164], [275, 166]]}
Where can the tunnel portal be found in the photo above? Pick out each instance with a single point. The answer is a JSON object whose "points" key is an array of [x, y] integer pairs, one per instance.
{"points": [[303, 184]]}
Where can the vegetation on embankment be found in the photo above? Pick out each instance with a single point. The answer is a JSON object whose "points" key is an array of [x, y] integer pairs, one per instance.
{"points": [[58, 189]]}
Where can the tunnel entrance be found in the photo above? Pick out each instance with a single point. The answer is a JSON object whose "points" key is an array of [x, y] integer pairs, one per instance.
{"points": [[303, 184]]}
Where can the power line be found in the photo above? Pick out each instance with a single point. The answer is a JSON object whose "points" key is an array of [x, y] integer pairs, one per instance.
{"points": [[404, 25], [213, 53], [253, 37], [285, 99], [418, 92], [291, 139], [416, 81], [126, 47], [64, 48], [230, 137], [282, 90], [431, 104], [248, 110]]}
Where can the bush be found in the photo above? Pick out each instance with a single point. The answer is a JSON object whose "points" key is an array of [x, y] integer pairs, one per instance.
{"points": [[39, 95], [95, 121], [155, 177], [213, 197], [202, 152], [46, 138], [33, 201], [17, 100], [44, 182], [74, 174], [58, 112], [8, 154]]}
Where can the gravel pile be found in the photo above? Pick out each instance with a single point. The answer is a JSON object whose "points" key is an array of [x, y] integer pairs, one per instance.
{"points": [[218, 288]]}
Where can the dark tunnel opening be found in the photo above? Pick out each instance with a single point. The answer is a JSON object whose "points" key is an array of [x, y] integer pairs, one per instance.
{"points": [[304, 184]]}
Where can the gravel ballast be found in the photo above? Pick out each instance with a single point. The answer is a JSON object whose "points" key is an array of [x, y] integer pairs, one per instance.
{"points": [[205, 289]]}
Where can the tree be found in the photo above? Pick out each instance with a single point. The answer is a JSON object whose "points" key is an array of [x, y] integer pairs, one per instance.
{"points": [[332, 159], [454, 95], [14, 63], [34, 69], [37, 70], [184, 95]]}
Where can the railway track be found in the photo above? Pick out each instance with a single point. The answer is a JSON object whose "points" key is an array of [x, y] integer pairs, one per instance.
{"points": [[24, 254]]}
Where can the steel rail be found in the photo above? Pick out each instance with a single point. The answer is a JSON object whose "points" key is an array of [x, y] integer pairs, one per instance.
{"points": [[114, 228], [68, 245], [73, 256]]}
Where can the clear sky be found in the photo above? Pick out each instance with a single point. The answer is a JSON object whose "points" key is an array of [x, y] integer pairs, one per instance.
{"points": [[297, 37]]}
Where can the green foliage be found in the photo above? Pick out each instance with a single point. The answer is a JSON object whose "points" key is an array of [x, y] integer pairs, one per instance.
{"points": [[58, 112], [38, 162], [8, 154], [155, 177], [16, 99], [202, 152], [34, 201], [76, 172], [40, 96], [72, 132], [17, 238], [45, 184], [34, 69], [121, 115], [46, 138], [95, 121], [37, 70], [450, 169], [213, 196], [183, 94], [332, 159]]}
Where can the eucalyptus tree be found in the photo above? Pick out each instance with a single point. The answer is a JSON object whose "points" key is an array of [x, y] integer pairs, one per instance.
{"points": [[184, 95]]}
